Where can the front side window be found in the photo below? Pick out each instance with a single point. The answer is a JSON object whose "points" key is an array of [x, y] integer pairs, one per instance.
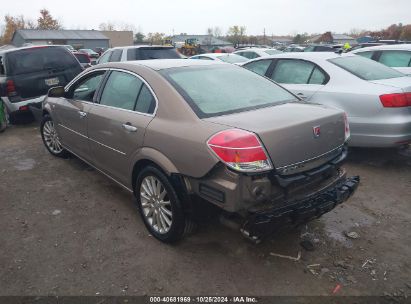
{"points": [[294, 72], [396, 59], [260, 67], [85, 88], [364, 68], [121, 91], [218, 90]]}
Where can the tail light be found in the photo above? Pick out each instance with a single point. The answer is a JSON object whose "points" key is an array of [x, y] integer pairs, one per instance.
{"points": [[11, 88], [397, 100], [347, 131], [240, 150]]}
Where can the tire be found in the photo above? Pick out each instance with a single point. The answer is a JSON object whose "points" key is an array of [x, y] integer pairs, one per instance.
{"points": [[152, 201], [50, 138]]}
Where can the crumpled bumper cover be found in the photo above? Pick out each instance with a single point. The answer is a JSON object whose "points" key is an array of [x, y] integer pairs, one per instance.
{"points": [[265, 222]]}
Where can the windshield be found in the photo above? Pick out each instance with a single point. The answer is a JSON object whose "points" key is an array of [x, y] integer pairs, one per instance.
{"points": [[152, 53], [39, 59], [364, 68], [232, 58], [272, 52], [218, 90]]}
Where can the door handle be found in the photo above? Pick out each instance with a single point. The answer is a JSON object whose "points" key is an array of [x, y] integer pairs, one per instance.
{"points": [[128, 127], [82, 114]]}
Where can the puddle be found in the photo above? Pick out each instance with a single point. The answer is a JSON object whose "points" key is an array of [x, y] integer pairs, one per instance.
{"points": [[25, 164], [348, 218]]}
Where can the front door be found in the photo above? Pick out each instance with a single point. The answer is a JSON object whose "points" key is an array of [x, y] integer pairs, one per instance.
{"points": [[117, 124], [72, 113]]}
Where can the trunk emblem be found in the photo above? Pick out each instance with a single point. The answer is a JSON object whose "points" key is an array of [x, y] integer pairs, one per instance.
{"points": [[316, 131]]}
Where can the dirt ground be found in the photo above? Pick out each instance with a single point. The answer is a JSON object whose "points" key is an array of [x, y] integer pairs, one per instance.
{"points": [[65, 229]]}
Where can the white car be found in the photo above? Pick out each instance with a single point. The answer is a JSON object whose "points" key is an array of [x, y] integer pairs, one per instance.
{"points": [[376, 98], [253, 53], [397, 56], [139, 52], [225, 57]]}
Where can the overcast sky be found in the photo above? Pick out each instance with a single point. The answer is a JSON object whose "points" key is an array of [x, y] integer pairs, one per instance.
{"points": [[279, 17]]}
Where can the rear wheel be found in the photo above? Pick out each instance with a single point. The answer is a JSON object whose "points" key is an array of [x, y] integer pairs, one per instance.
{"points": [[50, 137], [159, 206]]}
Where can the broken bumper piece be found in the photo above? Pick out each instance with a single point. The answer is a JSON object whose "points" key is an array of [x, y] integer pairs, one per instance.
{"points": [[263, 223]]}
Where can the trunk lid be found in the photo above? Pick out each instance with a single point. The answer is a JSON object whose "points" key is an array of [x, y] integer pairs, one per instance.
{"points": [[403, 83], [288, 135]]}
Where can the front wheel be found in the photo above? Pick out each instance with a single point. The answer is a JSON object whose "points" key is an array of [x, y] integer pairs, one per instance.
{"points": [[159, 206], [50, 137]]}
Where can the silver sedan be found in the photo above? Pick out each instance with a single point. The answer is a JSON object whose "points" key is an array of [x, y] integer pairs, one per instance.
{"points": [[376, 98]]}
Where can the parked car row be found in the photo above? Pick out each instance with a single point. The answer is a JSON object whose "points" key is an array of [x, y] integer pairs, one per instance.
{"points": [[376, 98]]}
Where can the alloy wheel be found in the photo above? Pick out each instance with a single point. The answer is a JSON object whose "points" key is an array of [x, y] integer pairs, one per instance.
{"points": [[51, 138], [156, 204]]}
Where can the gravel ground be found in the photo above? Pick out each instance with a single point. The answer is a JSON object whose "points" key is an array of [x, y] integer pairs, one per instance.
{"points": [[65, 229]]}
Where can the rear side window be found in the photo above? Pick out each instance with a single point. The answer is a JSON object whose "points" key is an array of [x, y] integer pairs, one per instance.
{"points": [[39, 59], [152, 53], [121, 91], [396, 59], [259, 67], [365, 68], [365, 54], [116, 55], [297, 72], [145, 101]]}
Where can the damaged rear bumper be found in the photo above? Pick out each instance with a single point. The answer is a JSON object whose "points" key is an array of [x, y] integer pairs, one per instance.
{"points": [[262, 223]]}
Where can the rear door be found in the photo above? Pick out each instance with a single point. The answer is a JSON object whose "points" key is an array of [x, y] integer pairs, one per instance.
{"points": [[35, 70], [72, 113], [301, 77], [116, 126]]}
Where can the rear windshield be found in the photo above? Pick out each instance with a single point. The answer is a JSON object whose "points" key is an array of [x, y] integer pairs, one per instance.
{"points": [[364, 68], [232, 58], [152, 53], [218, 90], [39, 59], [83, 58]]}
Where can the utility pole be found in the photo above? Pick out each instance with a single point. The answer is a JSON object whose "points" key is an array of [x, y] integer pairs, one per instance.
{"points": [[264, 37]]}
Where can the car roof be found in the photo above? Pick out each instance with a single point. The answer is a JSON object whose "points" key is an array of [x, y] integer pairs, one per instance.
{"points": [[162, 64], [29, 47], [406, 47], [141, 46], [311, 55], [214, 55]]}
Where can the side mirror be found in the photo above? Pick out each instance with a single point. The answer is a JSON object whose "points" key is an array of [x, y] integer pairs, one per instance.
{"points": [[56, 92], [93, 62]]}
